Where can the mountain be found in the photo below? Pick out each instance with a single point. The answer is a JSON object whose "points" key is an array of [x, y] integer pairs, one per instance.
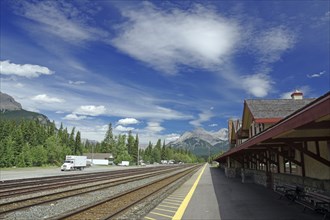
{"points": [[203, 143], [8, 103], [12, 110]]}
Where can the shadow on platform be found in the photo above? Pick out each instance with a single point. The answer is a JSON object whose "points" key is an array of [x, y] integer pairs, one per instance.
{"points": [[251, 201]]}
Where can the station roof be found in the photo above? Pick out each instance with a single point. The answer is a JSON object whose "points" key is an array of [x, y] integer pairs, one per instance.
{"points": [[275, 108], [311, 122]]}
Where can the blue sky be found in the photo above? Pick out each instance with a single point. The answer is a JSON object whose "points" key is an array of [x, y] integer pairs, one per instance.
{"points": [[159, 68]]}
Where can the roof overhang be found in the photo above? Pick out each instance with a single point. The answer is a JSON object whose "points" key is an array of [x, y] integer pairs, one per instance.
{"points": [[309, 123]]}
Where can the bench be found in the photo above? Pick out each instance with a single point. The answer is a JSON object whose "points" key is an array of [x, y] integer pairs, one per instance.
{"points": [[318, 202], [289, 191]]}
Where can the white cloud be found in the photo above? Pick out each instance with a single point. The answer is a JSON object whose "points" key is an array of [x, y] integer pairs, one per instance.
{"points": [[213, 125], [168, 39], [154, 127], [91, 110], [127, 121], [121, 128], [202, 117], [74, 117], [271, 43], [25, 70], [44, 98], [316, 75], [257, 85]]}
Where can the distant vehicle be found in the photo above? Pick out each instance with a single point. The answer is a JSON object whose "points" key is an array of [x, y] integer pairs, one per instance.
{"points": [[124, 163], [74, 163]]}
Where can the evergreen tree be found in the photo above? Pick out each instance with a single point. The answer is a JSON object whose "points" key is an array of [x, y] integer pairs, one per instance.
{"points": [[135, 149], [163, 154], [71, 141], [130, 143], [156, 154], [109, 141], [77, 144]]}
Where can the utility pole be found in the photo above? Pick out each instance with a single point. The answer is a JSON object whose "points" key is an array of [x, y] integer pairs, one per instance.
{"points": [[138, 156], [92, 154]]}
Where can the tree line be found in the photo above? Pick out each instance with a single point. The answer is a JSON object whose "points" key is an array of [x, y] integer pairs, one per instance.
{"points": [[29, 143], [126, 148]]}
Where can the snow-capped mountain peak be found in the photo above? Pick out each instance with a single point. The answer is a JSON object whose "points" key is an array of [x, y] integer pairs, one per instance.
{"points": [[208, 136]]}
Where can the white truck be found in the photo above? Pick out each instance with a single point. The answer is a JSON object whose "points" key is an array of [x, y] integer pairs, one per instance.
{"points": [[74, 163], [124, 163]]}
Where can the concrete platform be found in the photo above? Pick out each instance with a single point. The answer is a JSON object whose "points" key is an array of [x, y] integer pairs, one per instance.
{"points": [[209, 195]]}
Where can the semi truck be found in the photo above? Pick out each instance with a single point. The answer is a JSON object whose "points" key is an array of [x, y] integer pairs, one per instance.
{"points": [[73, 162]]}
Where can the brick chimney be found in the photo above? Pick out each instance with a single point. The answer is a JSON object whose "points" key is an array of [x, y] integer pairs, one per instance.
{"points": [[296, 95]]}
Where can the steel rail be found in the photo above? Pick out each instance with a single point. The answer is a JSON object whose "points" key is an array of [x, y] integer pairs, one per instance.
{"points": [[113, 206], [12, 206]]}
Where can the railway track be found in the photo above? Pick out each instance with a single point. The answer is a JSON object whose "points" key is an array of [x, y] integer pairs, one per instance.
{"points": [[17, 205], [27, 186], [112, 207]]}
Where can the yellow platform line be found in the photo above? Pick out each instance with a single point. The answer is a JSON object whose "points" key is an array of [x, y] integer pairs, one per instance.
{"points": [[167, 206], [178, 215], [166, 210], [156, 213], [149, 218]]}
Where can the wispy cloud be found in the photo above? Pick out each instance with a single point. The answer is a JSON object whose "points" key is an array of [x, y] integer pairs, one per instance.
{"points": [[44, 98], [316, 75], [204, 116], [24, 70], [272, 43], [62, 19], [76, 82]]}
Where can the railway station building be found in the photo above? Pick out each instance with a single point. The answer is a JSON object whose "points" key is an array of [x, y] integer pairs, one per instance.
{"points": [[283, 141]]}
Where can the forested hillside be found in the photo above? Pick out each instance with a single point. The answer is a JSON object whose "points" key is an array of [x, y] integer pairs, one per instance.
{"points": [[29, 143]]}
